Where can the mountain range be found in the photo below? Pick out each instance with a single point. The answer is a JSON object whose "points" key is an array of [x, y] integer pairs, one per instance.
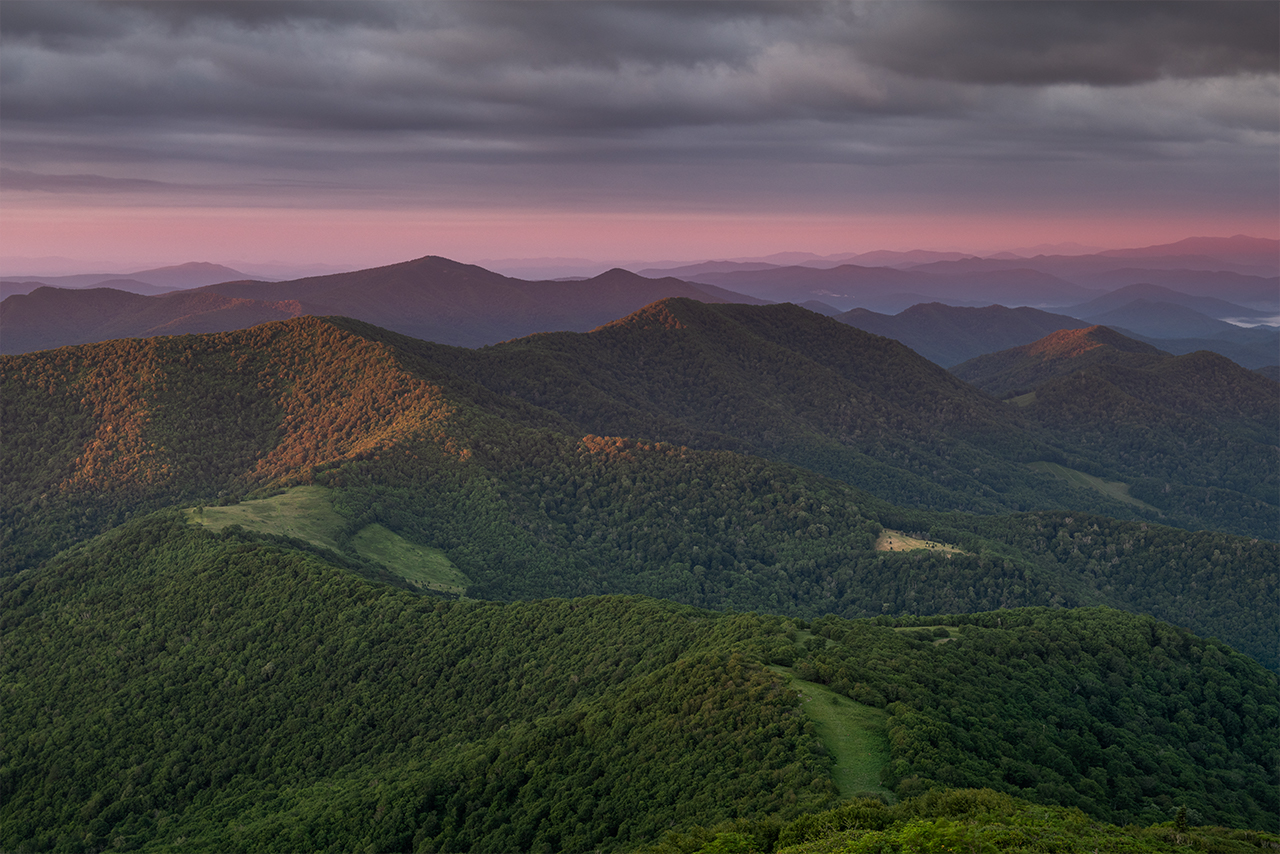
{"points": [[317, 584], [431, 298], [949, 335], [459, 304], [501, 456], [150, 282]]}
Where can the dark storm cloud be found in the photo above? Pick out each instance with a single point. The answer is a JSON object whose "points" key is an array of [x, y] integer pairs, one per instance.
{"points": [[1104, 43], [645, 97]]}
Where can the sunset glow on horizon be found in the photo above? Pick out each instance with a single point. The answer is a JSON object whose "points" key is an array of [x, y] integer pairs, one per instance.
{"points": [[144, 237], [362, 134]]}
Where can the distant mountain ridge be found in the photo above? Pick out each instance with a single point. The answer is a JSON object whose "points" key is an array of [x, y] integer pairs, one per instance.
{"points": [[891, 289], [431, 298], [56, 317], [193, 274], [1121, 297], [1159, 319], [949, 335]]}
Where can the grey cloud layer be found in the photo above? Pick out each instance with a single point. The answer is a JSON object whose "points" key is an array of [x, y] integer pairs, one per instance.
{"points": [[203, 92]]}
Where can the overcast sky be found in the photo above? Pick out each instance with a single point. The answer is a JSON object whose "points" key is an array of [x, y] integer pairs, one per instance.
{"points": [[371, 132]]}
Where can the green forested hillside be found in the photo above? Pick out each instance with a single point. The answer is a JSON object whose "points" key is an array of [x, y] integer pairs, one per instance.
{"points": [[168, 687], [170, 684], [525, 509], [955, 820], [787, 384], [1196, 437], [1018, 370]]}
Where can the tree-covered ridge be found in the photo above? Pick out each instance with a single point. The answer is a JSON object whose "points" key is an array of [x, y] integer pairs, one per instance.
{"points": [[164, 687], [960, 820], [788, 384], [525, 510], [166, 682], [1194, 435], [96, 432], [1119, 715], [1018, 370], [1153, 569]]}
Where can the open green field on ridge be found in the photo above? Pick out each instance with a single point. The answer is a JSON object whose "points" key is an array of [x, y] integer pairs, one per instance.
{"points": [[306, 513], [1112, 489], [854, 733]]}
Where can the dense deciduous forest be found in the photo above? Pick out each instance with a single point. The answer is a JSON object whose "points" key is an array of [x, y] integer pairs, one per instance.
{"points": [[527, 509], [169, 686]]}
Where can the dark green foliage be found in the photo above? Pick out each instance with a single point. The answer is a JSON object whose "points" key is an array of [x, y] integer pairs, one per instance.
{"points": [[528, 510], [1019, 370], [783, 383], [1121, 716], [1194, 435], [979, 821], [165, 682], [1152, 569], [165, 685]]}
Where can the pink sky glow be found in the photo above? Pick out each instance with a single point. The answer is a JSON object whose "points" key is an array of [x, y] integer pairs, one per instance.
{"points": [[135, 238]]}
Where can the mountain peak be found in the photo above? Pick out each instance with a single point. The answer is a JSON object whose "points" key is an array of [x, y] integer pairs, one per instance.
{"points": [[1070, 343], [670, 313]]}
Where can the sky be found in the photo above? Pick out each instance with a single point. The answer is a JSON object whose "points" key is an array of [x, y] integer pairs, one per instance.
{"points": [[363, 133]]}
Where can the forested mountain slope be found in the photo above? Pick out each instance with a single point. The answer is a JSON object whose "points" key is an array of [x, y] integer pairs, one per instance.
{"points": [[785, 383], [525, 505], [948, 334], [791, 385], [164, 686], [1018, 370], [1184, 431]]}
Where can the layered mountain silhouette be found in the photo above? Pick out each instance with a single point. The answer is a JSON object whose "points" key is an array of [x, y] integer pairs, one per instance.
{"points": [[1121, 297], [55, 317], [949, 335], [891, 289], [1162, 320], [1257, 292], [154, 281], [431, 298], [461, 304]]}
